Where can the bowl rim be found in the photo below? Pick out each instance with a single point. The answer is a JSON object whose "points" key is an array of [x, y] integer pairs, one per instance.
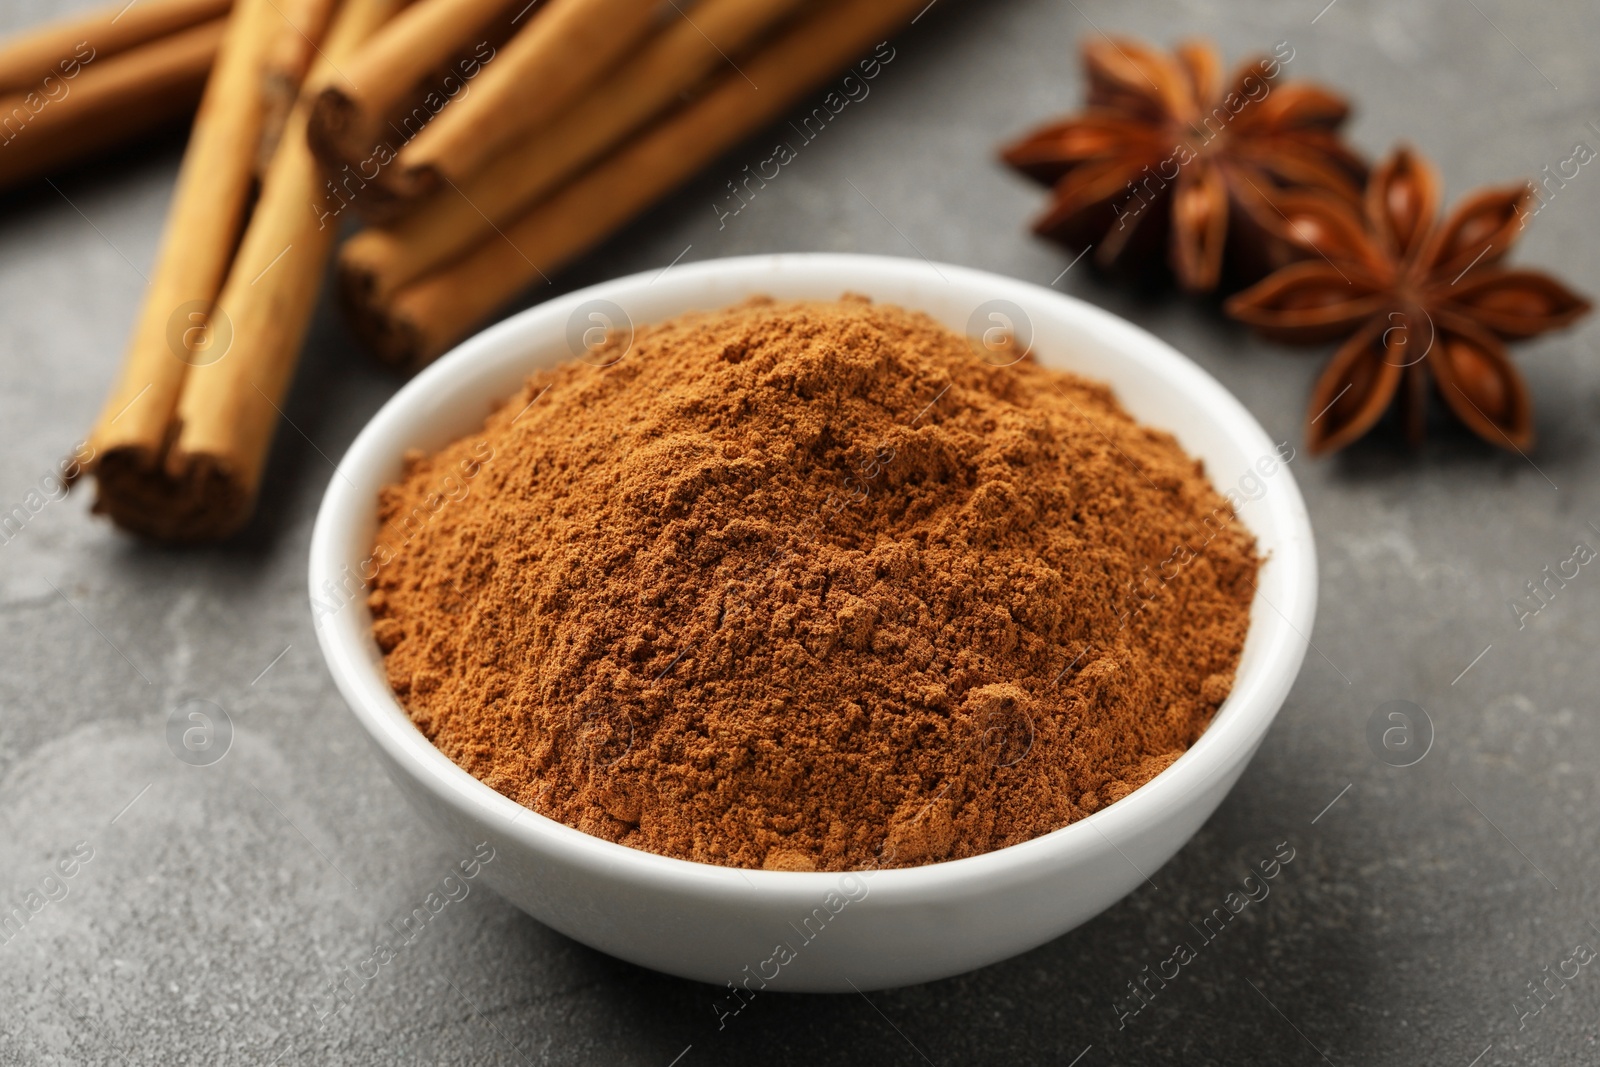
{"points": [[1225, 746]]}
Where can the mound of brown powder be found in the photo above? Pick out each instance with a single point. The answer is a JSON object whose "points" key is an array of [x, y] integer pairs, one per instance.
{"points": [[811, 586]]}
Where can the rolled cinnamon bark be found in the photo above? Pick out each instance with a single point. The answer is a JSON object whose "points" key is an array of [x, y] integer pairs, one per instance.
{"points": [[350, 115], [285, 66], [109, 101], [376, 262], [27, 58], [427, 317], [565, 46], [230, 407], [173, 329]]}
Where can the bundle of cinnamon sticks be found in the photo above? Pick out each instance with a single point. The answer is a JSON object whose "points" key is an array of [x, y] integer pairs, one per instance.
{"points": [[588, 115], [181, 443], [486, 143]]}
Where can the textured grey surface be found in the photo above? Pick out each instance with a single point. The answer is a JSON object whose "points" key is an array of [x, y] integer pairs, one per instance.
{"points": [[219, 907]]}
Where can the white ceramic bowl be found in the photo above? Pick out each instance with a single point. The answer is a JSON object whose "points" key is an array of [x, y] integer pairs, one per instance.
{"points": [[836, 932]]}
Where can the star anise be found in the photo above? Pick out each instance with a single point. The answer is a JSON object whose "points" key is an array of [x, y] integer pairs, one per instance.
{"points": [[1170, 162], [1414, 295]]}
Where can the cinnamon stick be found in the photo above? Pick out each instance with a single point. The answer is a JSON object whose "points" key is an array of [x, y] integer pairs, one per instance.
{"points": [[108, 101], [173, 328], [350, 115], [425, 318], [230, 408], [565, 46], [54, 49], [285, 66], [379, 260]]}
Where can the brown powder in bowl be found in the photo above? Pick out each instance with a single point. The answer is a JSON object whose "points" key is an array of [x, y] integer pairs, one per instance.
{"points": [[811, 586]]}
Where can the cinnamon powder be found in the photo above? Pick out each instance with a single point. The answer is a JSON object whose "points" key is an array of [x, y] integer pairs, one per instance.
{"points": [[811, 586]]}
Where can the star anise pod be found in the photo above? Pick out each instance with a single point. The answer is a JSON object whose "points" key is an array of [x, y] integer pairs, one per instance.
{"points": [[1169, 162], [1414, 295]]}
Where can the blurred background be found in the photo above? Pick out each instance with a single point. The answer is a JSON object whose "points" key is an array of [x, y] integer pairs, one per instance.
{"points": [[1427, 905]]}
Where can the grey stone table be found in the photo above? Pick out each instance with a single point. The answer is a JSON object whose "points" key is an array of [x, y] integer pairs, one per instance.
{"points": [[211, 908]]}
